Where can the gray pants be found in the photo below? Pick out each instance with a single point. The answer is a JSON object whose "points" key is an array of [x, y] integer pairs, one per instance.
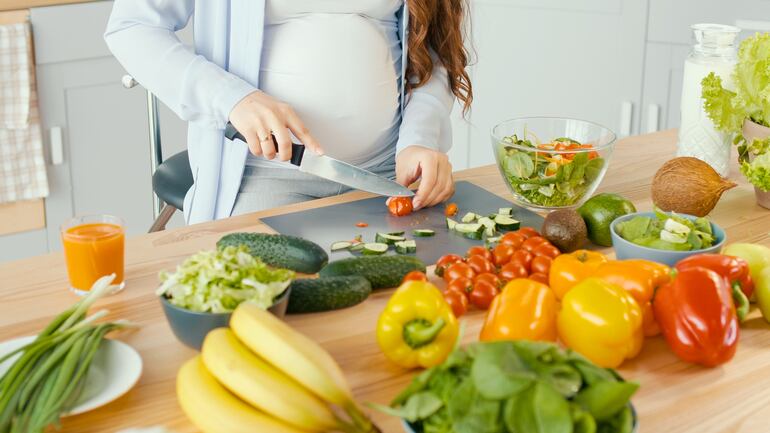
{"points": [[267, 187]]}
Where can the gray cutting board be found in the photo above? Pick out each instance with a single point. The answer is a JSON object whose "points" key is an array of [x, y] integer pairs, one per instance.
{"points": [[329, 224]]}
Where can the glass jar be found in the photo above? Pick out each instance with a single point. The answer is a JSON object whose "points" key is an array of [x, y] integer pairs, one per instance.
{"points": [[714, 51]]}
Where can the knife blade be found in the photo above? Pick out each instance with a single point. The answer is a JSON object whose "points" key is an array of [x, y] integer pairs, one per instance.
{"points": [[335, 170]]}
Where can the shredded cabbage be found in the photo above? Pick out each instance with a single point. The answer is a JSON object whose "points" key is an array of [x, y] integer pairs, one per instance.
{"points": [[217, 281], [758, 171]]}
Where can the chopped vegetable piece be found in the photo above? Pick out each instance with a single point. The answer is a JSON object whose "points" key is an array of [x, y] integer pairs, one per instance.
{"points": [[423, 233], [506, 223], [505, 211], [406, 247], [356, 247], [341, 245], [385, 238], [399, 206], [362, 224], [375, 249], [450, 210], [471, 231], [450, 223], [469, 217]]}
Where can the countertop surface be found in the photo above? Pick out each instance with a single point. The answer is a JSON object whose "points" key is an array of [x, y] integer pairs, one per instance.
{"points": [[9, 5], [674, 396]]}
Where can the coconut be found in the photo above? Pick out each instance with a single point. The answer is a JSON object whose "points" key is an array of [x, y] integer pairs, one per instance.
{"points": [[688, 185]]}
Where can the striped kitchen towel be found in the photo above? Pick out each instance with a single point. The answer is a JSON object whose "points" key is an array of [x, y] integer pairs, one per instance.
{"points": [[22, 164]]}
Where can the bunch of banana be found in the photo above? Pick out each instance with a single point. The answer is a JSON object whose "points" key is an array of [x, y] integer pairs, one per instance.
{"points": [[261, 375]]}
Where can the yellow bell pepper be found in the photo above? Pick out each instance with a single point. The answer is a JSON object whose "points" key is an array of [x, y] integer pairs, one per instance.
{"points": [[567, 270], [601, 321], [417, 327], [524, 310]]}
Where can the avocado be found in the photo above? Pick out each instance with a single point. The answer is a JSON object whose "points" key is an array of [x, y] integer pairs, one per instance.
{"points": [[600, 211], [565, 229]]}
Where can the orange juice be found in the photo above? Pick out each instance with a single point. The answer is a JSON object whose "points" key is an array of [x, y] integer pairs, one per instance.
{"points": [[93, 250]]}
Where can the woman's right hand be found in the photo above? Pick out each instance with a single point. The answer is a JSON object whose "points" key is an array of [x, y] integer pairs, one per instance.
{"points": [[259, 115]]}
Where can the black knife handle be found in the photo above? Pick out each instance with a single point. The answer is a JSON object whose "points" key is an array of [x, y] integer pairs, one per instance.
{"points": [[297, 150]]}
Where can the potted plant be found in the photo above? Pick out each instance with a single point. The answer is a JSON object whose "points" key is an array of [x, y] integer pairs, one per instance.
{"points": [[745, 111]]}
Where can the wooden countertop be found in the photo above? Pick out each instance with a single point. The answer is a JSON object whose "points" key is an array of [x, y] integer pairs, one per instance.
{"points": [[9, 5], [674, 396]]}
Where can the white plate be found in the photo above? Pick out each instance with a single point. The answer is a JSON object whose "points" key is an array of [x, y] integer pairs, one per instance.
{"points": [[114, 360]]}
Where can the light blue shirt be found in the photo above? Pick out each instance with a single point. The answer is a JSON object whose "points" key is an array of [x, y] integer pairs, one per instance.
{"points": [[202, 86]]}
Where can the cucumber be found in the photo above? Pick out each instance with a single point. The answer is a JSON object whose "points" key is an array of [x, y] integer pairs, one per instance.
{"points": [[388, 239], [489, 226], [396, 233], [327, 293], [423, 233], [471, 231], [489, 241], [406, 247], [450, 223], [341, 245], [469, 217], [381, 271], [356, 247], [505, 211], [505, 223], [281, 251], [374, 249]]}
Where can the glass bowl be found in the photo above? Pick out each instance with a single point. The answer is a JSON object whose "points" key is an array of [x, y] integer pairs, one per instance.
{"points": [[549, 162]]}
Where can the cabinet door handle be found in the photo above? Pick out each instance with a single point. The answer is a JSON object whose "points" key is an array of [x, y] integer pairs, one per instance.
{"points": [[626, 114], [653, 117], [57, 147]]}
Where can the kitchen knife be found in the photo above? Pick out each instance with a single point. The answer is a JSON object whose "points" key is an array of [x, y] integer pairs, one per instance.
{"points": [[335, 170]]}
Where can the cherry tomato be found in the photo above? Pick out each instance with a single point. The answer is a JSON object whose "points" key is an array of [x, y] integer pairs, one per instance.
{"points": [[444, 262], [362, 224], [457, 301], [513, 239], [528, 232], [490, 277], [414, 276], [450, 210], [502, 254], [479, 251], [513, 270], [457, 270], [480, 264], [462, 285], [532, 243], [541, 265], [483, 293], [547, 250], [540, 278], [399, 206], [524, 257]]}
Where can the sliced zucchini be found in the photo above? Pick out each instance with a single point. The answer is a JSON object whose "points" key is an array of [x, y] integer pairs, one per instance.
{"points": [[506, 224], [450, 223], [341, 245], [489, 226], [356, 247], [423, 233], [396, 233], [489, 241], [469, 217], [505, 211], [387, 238], [375, 249], [406, 247], [471, 231]]}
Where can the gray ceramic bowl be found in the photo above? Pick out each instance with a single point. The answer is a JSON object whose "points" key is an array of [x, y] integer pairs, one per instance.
{"points": [[409, 428], [628, 250], [191, 327]]}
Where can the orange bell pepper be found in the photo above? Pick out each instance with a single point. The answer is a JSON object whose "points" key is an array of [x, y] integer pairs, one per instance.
{"points": [[524, 310], [569, 269], [640, 278]]}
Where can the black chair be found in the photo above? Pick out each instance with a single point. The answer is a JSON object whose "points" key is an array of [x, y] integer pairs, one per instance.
{"points": [[171, 178]]}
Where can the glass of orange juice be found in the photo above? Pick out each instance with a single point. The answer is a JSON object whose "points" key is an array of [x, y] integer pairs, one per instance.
{"points": [[94, 246]]}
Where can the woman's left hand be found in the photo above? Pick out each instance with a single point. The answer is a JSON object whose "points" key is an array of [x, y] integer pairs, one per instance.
{"points": [[432, 168]]}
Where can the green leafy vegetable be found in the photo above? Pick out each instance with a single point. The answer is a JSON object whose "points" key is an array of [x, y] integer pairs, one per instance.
{"points": [[758, 171], [651, 232], [217, 281], [539, 409]]}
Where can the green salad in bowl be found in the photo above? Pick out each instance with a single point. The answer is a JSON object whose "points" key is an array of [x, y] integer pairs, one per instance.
{"points": [[560, 171]]}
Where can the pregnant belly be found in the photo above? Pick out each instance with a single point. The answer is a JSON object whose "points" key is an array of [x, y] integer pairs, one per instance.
{"points": [[337, 72]]}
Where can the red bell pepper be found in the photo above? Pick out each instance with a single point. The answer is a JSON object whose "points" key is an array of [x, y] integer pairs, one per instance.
{"points": [[734, 269], [696, 315]]}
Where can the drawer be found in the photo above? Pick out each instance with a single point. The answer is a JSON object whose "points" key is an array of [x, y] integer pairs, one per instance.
{"points": [[70, 32]]}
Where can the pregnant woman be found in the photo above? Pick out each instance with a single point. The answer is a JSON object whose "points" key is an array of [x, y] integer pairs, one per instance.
{"points": [[370, 82]]}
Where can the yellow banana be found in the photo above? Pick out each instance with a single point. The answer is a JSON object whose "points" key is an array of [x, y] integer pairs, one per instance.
{"points": [[291, 352], [213, 409], [262, 385]]}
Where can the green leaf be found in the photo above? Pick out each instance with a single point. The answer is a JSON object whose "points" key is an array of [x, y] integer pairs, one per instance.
{"points": [[519, 165], [592, 373], [582, 421], [634, 228], [472, 413], [719, 104], [758, 171], [419, 383], [421, 406], [538, 409], [622, 422], [562, 377], [499, 373], [594, 169], [605, 399]]}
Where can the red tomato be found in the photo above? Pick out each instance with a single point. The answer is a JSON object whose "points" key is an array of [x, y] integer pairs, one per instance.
{"points": [[457, 301], [483, 293], [490, 277], [528, 232], [414, 276], [461, 285], [547, 250], [513, 239], [524, 257], [458, 270], [362, 224], [480, 264], [479, 251], [502, 254], [444, 262], [513, 270], [532, 243], [541, 265], [450, 210], [540, 278], [399, 206]]}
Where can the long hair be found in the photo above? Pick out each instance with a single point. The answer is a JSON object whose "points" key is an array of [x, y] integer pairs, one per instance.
{"points": [[438, 26]]}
